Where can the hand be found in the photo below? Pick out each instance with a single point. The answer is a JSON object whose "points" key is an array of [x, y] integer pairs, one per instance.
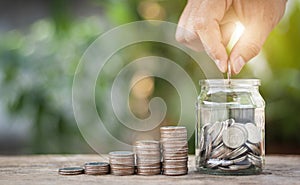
{"points": [[210, 23]]}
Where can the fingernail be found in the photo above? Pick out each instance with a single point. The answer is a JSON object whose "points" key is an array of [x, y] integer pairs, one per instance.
{"points": [[220, 66], [238, 64]]}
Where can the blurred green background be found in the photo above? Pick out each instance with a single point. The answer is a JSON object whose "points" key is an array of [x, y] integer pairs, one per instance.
{"points": [[41, 43]]}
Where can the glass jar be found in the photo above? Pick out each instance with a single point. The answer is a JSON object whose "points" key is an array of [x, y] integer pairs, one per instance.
{"points": [[230, 130]]}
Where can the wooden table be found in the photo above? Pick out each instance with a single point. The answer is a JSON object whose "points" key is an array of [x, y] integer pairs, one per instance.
{"points": [[43, 169]]}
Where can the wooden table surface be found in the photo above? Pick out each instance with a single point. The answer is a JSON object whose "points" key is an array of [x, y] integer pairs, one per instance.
{"points": [[43, 169]]}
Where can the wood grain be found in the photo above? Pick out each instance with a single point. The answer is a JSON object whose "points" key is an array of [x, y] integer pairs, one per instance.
{"points": [[43, 169]]}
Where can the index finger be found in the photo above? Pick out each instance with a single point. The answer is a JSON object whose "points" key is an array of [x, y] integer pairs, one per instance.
{"points": [[207, 25]]}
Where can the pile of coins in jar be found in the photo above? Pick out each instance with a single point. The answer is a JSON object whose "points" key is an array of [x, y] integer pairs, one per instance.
{"points": [[230, 146], [150, 157]]}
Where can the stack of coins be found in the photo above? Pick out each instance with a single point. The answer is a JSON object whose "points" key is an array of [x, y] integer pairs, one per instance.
{"points": [[96, 168], [148, 157], [121, 162], [230, 146], [174, 150], [71, 171]]}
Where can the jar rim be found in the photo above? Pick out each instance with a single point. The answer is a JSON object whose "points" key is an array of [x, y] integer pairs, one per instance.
{"points": [[233, 82]]}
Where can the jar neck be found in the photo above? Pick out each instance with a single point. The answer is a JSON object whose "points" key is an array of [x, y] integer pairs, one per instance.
{"points": [[233, 84]]}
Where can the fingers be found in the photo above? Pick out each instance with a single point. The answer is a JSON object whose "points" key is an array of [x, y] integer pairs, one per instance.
{"points": [[226, 32], [182, 23], [259, 18], [207, 26], [185, 32], [212, 41], [228, 25], [248, 46]]}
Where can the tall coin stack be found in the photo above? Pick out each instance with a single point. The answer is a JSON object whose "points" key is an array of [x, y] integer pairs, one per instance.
{"points": [[147, 157], [174, 150], [121, 162]]}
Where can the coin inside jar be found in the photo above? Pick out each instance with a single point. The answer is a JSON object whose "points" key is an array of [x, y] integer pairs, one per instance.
{"points": [[234, 136], [254, 133]]}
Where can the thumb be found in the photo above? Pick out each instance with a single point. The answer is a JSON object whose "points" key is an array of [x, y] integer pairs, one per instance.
{"points": [[248, 46]]}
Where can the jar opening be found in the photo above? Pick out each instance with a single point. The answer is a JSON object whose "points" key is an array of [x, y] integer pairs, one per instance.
{"points": [[233, 82]]}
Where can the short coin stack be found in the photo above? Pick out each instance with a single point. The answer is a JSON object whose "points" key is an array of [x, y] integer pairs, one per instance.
{"points": [[148, 157], [71, 171], [96, 168], [230, 146], [121, 162], [174, 150]]}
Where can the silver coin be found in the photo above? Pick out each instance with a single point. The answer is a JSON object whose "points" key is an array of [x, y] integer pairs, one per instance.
{"points": [[154, 166], [203, 136], [140, 164], [201, 142], [235, 167], [148, 153], [215, 130], [208, 147], [71, 171], [230, 122], [239, 167], [219, 138], [148, 157], [96, 164], [175, 158], [234, 136], [121, 153], [175, 154], [174, 135], [96, 168], [237, 152], [148, 161], [240, 159], [242, 127], [254, 133], [174, 150], [96, 173], [225, 153], [255, 149], [154, 171], [121, 167], [180, 161], [172, 128], [218, 151], [255, 160], [146, 142], [122, 160], [175, 172], [174, 142], [212, 163], [122, 173]]}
